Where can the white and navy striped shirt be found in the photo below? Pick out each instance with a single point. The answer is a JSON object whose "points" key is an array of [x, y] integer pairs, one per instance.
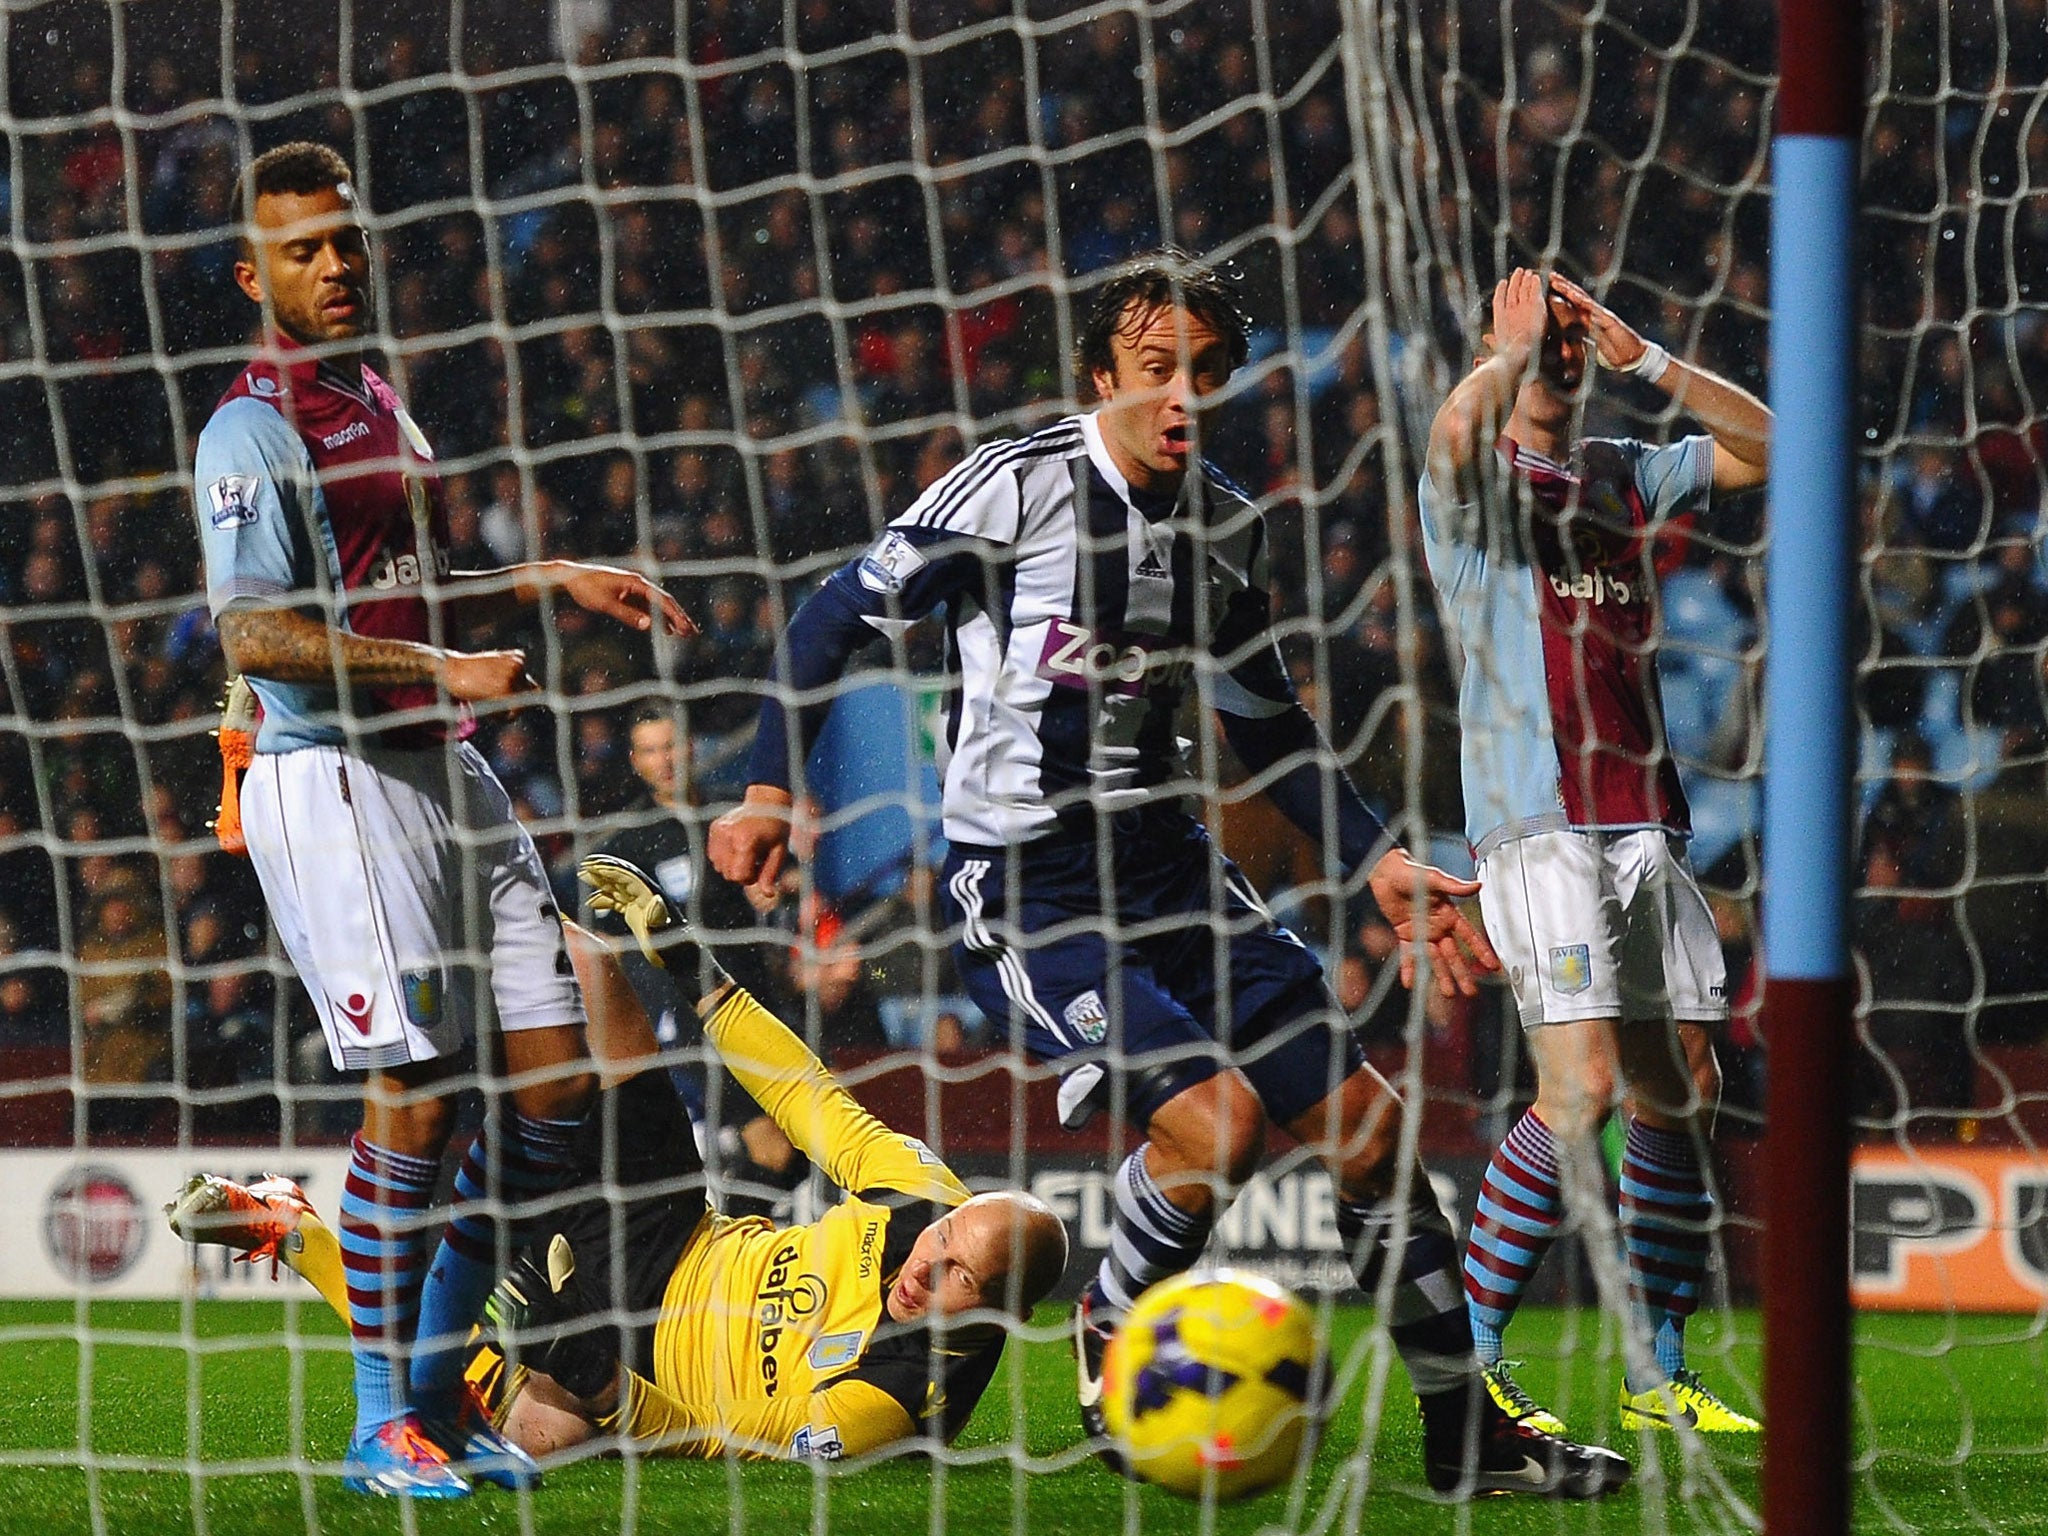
{"points": [[1080, 614]]}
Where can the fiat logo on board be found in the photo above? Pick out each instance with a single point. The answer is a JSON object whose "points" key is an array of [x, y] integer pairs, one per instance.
{"points": [[93, 1225]]}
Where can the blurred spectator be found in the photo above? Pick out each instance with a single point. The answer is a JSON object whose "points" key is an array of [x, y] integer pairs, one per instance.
{"points": [[2006, 905], [900, 936], [1998, 636], [1939, 509], [32, 1010], [731, 649], [530, 780], [1911, 863], [831, 1001], [502, 522], [124, 997], [661, 834], [229, 1024], [32, 997]]}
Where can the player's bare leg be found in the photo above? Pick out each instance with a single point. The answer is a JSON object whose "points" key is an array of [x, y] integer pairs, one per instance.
{"points": [[619, 1035], [409, 1110], [544, 1417], [1469, 1445], [551, 1072], [1205, 1141]]}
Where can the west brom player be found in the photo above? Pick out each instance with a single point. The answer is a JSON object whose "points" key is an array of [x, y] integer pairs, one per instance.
{"points": [[387, 850], [1542, 546], [1096, 575]]}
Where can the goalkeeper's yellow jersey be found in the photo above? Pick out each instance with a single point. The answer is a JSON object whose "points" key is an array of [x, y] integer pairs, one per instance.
{"points": [[776, 1341]]}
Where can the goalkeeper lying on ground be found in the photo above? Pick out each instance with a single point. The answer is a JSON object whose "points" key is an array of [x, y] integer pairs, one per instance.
{"points": [[642, 1314]]}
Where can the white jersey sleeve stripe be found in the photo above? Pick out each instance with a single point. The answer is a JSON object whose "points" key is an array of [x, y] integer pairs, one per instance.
{"points": [[1016, 981], [958, 488]]}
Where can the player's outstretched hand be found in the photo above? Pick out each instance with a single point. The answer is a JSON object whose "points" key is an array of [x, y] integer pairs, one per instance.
{"points": [[748, 842], [1614, 339], [1456, 948], [626, 596], [478, 676]]}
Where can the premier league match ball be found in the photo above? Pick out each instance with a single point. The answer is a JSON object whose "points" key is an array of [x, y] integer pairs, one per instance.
{"points": [[1209, 1385]]}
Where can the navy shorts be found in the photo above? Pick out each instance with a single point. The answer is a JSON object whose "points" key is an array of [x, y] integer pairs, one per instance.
{"points": [[1125, 996]]}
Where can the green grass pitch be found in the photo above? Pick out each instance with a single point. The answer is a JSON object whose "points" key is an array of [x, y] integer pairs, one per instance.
{"points": [[192, 1409]]}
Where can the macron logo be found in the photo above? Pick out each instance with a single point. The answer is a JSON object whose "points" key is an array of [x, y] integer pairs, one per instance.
{"points": [[356, 1010], [348, 434]]}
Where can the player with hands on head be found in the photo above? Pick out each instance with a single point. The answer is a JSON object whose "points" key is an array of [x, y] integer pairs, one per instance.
{"points": [[1095, 576], [326, 545], [1543, 545]]}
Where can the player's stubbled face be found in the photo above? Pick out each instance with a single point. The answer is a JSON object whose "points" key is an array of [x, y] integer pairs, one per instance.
{"points": [[1169, 367], [314, 264], [949, 1266], [1563, 365]]}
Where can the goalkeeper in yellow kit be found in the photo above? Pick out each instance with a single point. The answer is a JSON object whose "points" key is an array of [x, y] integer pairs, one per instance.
{"points": [[639, 1313]]}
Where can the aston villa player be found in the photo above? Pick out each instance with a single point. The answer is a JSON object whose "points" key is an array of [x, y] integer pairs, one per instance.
{"points": [[1542, 542], [398, 879]]}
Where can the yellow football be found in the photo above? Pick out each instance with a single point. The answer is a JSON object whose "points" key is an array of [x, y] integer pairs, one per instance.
{"points": [[1209, 1384]]}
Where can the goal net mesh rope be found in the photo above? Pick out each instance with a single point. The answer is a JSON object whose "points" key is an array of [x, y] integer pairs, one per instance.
{"points": [[713, 290]]}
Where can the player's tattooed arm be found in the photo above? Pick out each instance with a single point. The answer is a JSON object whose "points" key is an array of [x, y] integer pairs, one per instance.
{"points": [[282, 646]]}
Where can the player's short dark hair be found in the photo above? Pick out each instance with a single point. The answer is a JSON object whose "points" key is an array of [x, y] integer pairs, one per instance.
{"points": [[301, 167], [1166, 276]]}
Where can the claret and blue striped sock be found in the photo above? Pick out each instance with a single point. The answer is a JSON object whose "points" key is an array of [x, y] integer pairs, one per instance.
{"points": [[384, 1201], [1666, 1215], [1521, 1204]]}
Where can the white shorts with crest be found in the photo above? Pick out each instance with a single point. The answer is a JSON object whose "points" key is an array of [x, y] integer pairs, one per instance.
{"points": [[1603, 925], [394, 879]]}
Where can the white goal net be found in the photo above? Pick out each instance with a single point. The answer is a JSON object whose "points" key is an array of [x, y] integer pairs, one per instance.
{"points": [[714, 290]]}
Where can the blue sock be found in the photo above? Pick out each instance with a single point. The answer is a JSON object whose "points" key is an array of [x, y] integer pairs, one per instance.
{"points": [[465, 1267], [383, 1243]]}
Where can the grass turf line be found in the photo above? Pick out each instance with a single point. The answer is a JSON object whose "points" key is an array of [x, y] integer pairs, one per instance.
{"points": [[1952, 1424]]}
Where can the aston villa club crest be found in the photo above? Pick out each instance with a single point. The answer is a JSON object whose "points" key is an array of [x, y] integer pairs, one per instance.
{"points": [[1571, 968], [423, 998]]}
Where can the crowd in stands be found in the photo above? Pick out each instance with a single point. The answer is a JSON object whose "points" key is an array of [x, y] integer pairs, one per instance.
{"points": [[728, 318]]}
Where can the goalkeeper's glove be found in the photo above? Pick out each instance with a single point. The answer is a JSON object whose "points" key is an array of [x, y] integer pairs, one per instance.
{"points": [[561, 1331], [237, 737], [626, 890]]}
